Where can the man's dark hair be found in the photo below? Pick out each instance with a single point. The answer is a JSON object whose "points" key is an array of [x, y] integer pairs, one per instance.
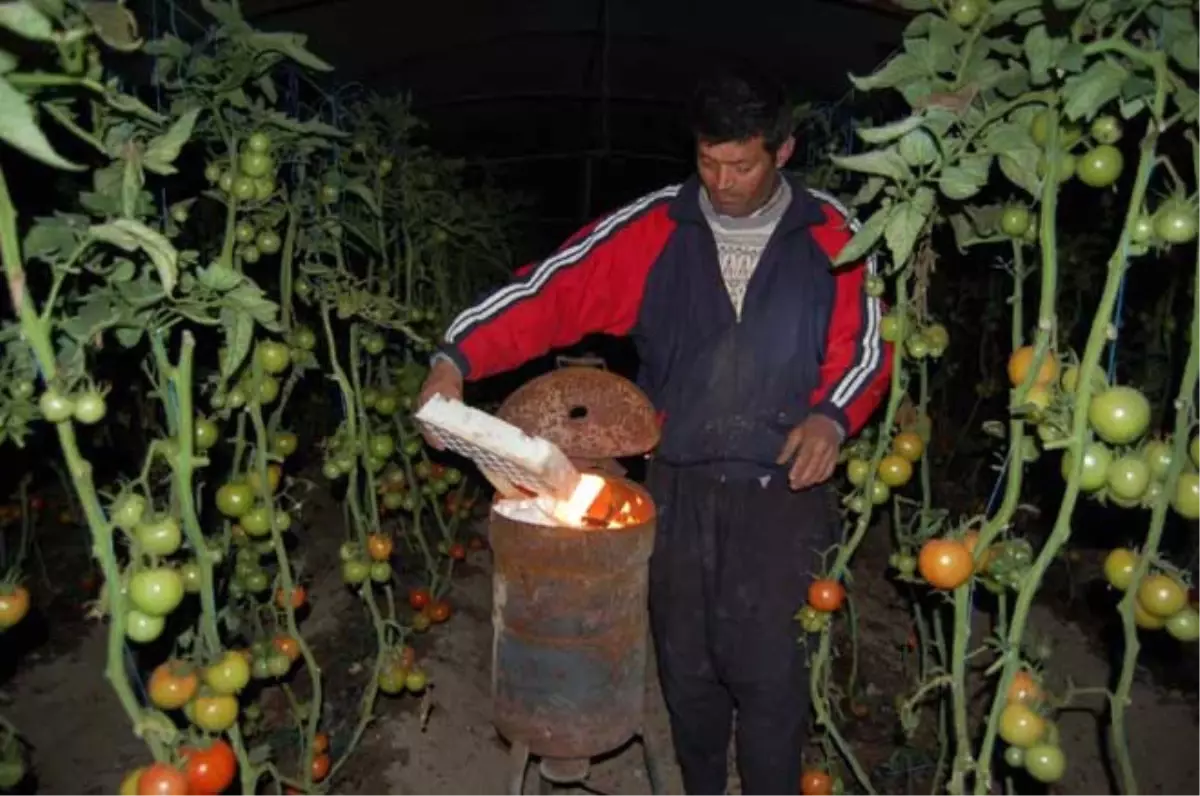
{"points": [[737, 104]]}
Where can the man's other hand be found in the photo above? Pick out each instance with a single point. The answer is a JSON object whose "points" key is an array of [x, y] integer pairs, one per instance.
{"points": [[445, 380], [814, 445]]}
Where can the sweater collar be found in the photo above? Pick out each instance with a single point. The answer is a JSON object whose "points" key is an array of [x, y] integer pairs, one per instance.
{"points": [[803, 211]]}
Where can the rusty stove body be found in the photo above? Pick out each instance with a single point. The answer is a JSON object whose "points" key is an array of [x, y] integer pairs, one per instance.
{"points": [[570, 626]]}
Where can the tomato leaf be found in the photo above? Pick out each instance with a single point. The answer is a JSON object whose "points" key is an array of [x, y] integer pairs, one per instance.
{"points": [[96, 314], [8, 62], [227, 14], [1091, 90], [884, 162], [868, 191], [865, 237], [1004, 10], [1188, 101], [54, 238], [239, 331], [933, 57], [1180, 37], [20, 129], [945, 34], [163, 150], [1042, 53], [312, 126], [906, 223], [1014, 82], [130, 234], [24, 19], [900, 69], [965, 178], [360, 189], [267, 86], [1017, 152], [130, 336], [891, 131], [919, 25], [918, 148], [115, 25], [289, 44], [249, 299], [219, 276]]}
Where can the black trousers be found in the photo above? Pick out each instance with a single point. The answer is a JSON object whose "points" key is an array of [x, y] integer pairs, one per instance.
{"points": [[731, 566]]}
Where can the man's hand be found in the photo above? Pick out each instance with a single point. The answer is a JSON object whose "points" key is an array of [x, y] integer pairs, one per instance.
{"points": [[445, 380], [814, 444]]}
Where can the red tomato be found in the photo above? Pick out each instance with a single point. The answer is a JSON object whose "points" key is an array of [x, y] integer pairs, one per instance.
{"points": [[209, 771]]}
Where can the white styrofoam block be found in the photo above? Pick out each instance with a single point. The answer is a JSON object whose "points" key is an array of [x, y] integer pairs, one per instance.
{"points": [[533, 463]]}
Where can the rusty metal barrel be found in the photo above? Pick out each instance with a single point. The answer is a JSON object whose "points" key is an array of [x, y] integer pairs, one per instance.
{"points": [[569, 611]]}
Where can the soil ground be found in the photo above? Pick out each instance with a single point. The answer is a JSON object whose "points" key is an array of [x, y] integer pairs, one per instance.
{"points": [[55, 692]]}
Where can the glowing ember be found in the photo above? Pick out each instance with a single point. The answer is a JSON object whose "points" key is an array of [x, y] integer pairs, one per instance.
{"points": [[595, 503]]}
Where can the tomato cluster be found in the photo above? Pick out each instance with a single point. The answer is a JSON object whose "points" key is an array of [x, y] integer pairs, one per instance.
{"points": [[1032, 738], [398, 672], [1161, 600], [895, 469], [249, 178]]}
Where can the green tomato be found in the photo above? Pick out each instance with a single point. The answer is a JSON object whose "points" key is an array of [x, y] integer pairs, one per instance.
{"points": [[90, 407], [257, 521], [259, 142], [243, 188], [268, 242], [212, 172], [1015, 221], [304, 338], [381, 571], [127, 511], [263, 188], [1128, 478], [205, 433], [1176, 222], [156, 591], [1186, 499], [235, 499], [279, 664], [355, 571], [1184, 625], [160, 537], [256, 582], [1120, 415], [1157, 455], [141, 627], [374, 344], [1045, 763], [1106, 129], [329, 194], [284, 443], [268, 390], [1194, 451], [917, 346], [273, 356], [229, 675], [225, 182], [891, 327], [250, 254], [244, 232], [56, 408], [381, 445], [1101, 166], [874, 286], [256, 164], [386, 405], [965, 13], [192, 577], [1014, 756], [1143, 231], [1096, 459]]}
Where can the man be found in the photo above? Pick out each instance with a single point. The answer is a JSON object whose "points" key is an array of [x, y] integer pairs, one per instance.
{"points": [[761, 358]]}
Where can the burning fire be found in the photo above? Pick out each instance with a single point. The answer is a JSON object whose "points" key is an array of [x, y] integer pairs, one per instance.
{"points": [[600, 503]]}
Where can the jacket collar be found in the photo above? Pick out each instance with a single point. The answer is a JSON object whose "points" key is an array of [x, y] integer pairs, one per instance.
{"points": [[804, 210]]}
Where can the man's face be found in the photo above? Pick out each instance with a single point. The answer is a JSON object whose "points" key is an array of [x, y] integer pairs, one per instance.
{"points": [[740, 175]]}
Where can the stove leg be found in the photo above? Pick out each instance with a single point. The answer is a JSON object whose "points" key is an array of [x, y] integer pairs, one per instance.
{"points": [[651, 754], [518, 762]]}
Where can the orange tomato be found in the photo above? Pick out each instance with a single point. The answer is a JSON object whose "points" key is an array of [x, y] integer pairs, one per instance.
{"points": [[379, 546], [945, 563], [826, 595], [816, 783], [1022, 360], [173, 684], [1023, 689]]}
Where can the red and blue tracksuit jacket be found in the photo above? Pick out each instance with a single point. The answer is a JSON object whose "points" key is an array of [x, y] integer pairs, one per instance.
{"points": [[728, 391]]}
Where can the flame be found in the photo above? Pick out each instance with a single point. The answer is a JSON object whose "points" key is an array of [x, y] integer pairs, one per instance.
{"points": [[600, 503]]}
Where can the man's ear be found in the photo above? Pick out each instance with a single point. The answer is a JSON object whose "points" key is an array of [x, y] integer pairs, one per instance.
{"points": [[784, 153]]}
